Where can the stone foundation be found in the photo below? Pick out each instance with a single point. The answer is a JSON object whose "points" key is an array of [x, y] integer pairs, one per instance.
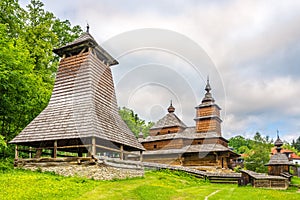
{"points": [[83, 167]]}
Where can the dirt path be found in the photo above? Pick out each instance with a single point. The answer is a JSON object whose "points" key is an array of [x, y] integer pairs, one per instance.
{"points": [[215, 192]]}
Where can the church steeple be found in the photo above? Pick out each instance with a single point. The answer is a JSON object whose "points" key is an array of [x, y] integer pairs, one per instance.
{"points": [[278, 143], [87, 28], [208, 96], [171, 109], [208, 114]]}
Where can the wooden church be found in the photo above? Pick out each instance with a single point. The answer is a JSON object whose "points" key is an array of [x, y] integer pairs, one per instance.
{"points": [[202, 146], [279, 163], [82, 116]]}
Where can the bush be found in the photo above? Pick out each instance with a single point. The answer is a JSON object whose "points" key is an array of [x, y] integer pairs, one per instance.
{"points": [[6, 164]]}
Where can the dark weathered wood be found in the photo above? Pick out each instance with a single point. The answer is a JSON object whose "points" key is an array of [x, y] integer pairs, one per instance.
{"points": [[141, 156], [260, 180], [82, 106], [55, 149], [39, 152]]}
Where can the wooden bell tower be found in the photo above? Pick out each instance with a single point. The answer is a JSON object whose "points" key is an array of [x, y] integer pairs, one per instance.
{"points": [[208, 114]]}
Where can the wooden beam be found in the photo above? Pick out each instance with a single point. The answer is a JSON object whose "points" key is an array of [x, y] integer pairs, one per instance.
{"points": [[122, 152], [80, 152], [55, 149], [117, 150], [141, 156], [39, 152], [94, 152], [73, 146], [107, 148], [16, 152], [30, 152]]}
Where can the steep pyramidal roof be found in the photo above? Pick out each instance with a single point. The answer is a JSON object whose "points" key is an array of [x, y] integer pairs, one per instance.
{"points": [[169, 120], [83, 102]]}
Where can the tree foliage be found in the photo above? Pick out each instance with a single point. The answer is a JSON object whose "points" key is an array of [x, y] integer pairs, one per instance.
{"points": [[296, 144], [27, 65], [256, 151], [134, 123]]}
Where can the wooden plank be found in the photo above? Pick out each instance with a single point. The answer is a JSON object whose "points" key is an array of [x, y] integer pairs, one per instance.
{"points": [[107, 148], [73, 146]]}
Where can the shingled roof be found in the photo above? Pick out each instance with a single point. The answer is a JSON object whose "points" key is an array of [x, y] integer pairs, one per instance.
{"points": [[188, 133], [203, 148], [83, 102], [169, 120], [279, 159]]}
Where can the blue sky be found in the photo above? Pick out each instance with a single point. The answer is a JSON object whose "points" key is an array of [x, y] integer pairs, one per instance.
{"points": [[250, 49]]}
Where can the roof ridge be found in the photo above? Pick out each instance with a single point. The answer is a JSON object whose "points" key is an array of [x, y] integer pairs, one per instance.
{"points": [[169, 120]]}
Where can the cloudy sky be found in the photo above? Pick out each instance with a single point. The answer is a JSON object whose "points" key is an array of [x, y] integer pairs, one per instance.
{"points": [[166, 49]]}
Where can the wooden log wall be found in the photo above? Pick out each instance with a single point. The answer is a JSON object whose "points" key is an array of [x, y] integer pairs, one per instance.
{"points": [[164, 144], [208, 111], [167, 130]]}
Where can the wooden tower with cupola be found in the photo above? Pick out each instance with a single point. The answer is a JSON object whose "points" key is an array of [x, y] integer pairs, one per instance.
{"points": [[208, 114]]}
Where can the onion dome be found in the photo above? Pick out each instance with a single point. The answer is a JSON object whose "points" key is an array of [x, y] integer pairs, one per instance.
{"points": [[171, 109], [208, 97]]}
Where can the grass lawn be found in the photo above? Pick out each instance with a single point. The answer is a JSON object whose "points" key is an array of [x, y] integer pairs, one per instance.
{"points": [[21, 184]]}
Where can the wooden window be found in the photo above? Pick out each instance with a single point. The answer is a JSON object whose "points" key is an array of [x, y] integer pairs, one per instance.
{"points": [[158, 133], [155, 146], [169, 131]]}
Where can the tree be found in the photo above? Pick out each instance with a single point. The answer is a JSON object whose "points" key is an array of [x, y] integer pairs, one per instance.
{"points": [[27, 64], [134, 123], [296, 144], [2, 143], [12, 15], [239, 144], [258, 154]]}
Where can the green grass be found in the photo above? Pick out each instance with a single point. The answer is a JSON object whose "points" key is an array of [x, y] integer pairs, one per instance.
{"points": [[295, 180], [21, 184]]}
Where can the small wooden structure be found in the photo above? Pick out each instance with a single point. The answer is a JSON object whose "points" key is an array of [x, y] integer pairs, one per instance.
{"points": [[259, 180], [279, 163], [202, 147], [82, 116]]}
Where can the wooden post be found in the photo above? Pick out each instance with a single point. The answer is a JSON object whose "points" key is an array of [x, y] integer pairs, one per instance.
{"points": [[94, 146], [55, 149], [30, 154], [39, 153], [16, 152], [80, 152], [141, 156], [122, 152]]}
